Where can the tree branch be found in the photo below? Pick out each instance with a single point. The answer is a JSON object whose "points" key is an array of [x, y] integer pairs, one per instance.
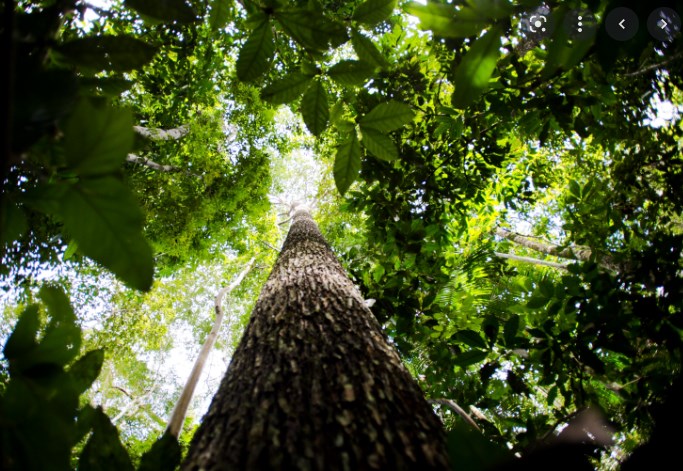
{"points": [[584, 254], [175, 424], [157, 134], [535, 261], [136, 159], [451, 404]]}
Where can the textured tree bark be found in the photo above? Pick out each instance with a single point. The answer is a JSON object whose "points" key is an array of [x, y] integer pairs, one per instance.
{"points": [[313, 384]]}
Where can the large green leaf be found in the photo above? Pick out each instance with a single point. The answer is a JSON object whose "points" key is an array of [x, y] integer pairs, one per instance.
{"points": [[97, 139], [350, 72], [310, 28], [473, 451], [86, 370], [255, 55], [23, 337], [103, 450], [13, 222], [164, 455], [164, 10], [470, 357], [62, 340], [371, 12], [475, 70], [347, 162], [379, 144], [315, 108], [120, 53], [367, 51], [445, 20], [388, 116], [220, 14], [286, 89], [103, 217]]}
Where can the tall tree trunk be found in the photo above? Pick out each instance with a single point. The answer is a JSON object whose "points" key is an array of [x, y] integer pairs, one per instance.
{"points": [[313, 383]]}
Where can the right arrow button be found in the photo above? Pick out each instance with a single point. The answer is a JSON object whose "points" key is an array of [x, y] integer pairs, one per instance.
{"points": [[664, 24]]}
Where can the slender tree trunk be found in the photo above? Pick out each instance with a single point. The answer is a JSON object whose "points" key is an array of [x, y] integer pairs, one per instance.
{"points": [[313, 384], [175, 424]]}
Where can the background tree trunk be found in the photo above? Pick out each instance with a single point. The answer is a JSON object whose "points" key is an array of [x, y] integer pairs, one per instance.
{"points": [[313, 383]]}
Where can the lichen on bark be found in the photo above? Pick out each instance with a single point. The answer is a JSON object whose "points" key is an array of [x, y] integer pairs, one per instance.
{"points": [[313, 384]]}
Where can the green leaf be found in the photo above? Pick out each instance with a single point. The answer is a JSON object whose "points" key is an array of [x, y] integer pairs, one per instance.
{"points": [[164, 10], [475, 70], [165, 454], [310, 28], [388, 116], [103, 450], [121, 53], [510, 330], [379, 144], [537, 302], [86, 370], [444, 20], [470, 358], [62, 340], [315, 108], [286, 89], [220, 14], [12, 221], [347, 162], [255, 55], [23, 337], [367, 51], [473, 451], [471, 338], [371, 12], [109, 86], [103, 217], [350, 72], [97, 139]]}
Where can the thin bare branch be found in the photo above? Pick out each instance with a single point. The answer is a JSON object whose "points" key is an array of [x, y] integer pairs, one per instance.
{"points": [[451, 404]]}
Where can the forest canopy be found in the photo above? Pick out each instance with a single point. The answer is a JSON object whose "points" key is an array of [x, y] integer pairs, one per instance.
{"points": [[508, 200]]}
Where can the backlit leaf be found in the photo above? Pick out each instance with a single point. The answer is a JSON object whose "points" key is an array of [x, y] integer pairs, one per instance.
{"points": [[371, 12], [103, 217], [350, 72], [379, 144], [470, 358], [347, 162], [86, 370], [120, 53], [165, 10], [475, 70], [445, 20], [388, 116], [367, 51], [23, 337], [256, 53], [286, 89], [315, 108], [97, 139], [164, 455], [103, 450], [220, 14]]}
